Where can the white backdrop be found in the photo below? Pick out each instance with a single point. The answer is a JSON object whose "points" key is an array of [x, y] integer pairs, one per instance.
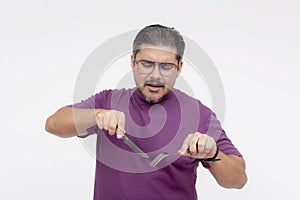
{"points": [[254, 45]]}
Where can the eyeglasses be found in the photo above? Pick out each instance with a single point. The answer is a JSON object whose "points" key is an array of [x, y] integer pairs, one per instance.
{"points": [[165, 69]]}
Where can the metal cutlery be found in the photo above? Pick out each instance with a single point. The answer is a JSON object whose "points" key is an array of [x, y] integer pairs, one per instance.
{"points": [[134, 147]]}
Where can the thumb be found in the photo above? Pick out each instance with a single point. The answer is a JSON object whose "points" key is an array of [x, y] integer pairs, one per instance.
{"points": [[120, 132]]}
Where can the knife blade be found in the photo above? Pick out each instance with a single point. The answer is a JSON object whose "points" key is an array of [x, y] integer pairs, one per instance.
{"points": [[134, 147]]}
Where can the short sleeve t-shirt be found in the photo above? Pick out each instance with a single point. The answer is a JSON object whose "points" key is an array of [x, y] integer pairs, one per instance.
{"points": [[155, 128]]}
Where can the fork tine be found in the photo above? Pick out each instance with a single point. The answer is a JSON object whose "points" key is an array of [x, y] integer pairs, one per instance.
{"points": [[158, 158]]}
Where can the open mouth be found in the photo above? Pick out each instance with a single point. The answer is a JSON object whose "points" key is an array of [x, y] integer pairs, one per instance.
{"points": [[154, 83], [154, 87]]}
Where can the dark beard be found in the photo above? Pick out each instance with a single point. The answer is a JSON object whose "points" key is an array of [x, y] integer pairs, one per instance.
{"points": [[150, 100], [147, 99], [153, 83]]}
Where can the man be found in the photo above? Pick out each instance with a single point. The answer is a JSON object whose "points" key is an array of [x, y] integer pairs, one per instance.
{"points": [[156, 117]]}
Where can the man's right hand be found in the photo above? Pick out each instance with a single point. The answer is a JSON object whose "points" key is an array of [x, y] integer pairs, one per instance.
{"points": [[112, 121], [69, 122]]}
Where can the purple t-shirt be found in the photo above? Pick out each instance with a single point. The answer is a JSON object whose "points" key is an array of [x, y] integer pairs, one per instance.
{"points": [[155, 128]]}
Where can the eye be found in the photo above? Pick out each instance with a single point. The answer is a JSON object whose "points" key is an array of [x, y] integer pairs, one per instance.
{"points": [[147, 64], [167, 66]]}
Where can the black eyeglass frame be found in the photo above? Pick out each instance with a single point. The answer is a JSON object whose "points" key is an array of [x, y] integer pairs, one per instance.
{"points": [[159, 64]]}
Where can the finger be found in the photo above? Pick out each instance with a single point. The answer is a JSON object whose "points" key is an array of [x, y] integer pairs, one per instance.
{"points": [[208, 147], [193, 146], [211, 148], [112, 127], [99, 120], [120, 132], [202, 144], [185, 145], [105, 121], [120, 125]]}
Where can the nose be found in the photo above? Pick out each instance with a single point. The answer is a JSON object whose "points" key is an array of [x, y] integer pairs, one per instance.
{"points": [[155, 74]]}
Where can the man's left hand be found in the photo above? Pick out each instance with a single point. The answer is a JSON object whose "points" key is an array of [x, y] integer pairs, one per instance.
{"points": [[198, 145]]}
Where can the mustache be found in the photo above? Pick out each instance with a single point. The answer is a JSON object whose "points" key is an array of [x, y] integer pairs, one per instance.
{"points": [[155, 83]]}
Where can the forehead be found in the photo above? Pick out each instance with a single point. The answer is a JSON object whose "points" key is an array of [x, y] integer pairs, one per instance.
{"points": [[157, 53]]}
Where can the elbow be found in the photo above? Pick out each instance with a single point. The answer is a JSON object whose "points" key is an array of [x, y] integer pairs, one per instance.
{"points": [[49, 126], [241, 178], [52, 127], [242, 182], [239, 183]]}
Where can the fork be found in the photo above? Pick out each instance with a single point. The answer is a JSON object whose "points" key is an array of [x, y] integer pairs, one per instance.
{"points": [[160, 157]]}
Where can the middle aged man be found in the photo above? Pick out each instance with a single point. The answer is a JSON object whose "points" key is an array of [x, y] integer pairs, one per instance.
{"points": [[156, 117]]}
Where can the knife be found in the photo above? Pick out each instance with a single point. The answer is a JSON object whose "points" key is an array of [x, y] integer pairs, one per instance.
{"points": [[134, 147]]}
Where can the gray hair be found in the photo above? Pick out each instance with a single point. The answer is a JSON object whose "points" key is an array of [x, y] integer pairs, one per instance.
{"points": [[158, 35]]}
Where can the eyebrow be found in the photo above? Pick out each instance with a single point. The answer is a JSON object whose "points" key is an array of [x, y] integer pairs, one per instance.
{"points": [[156, 62]]}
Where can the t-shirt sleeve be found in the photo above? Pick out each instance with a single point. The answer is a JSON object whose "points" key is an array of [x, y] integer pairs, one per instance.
{"points": [[88, 103], [93, 102], [214, 129]]}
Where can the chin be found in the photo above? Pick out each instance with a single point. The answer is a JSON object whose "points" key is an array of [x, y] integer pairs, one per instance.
{"points": [[152, 97], [152, 100], [147, 96]]}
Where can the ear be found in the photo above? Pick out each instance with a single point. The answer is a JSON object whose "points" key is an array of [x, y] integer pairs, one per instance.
{"points": [[132, 61], [179, 68]]}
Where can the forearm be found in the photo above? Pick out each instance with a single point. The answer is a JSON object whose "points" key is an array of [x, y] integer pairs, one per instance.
{"points": [[230, 171], [68, 122]]}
